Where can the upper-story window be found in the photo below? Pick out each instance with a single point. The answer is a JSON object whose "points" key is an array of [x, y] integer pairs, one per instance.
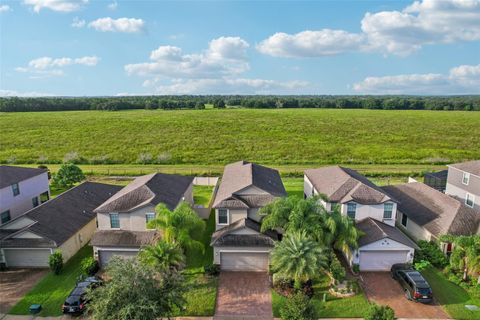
{"points": [[149, 216], [387, 211], [5, 216], [15, 189], [470, 200], [351, 209], [114, 221], [466, 178], [222, 216]]}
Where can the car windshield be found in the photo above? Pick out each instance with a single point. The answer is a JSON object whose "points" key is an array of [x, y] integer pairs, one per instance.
{"points": [[424, 291], [72, 301]]}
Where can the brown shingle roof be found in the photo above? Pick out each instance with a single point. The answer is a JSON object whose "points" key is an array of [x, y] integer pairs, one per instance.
{"points": [[343, 185], [472, 167], [435, 211], [123, 238], [375, 230], [10, 174], [242, 174], [223, 237], [149, 189]]}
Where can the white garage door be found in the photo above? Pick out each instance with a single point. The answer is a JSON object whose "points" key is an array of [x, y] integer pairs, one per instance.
{"points": [[381, 260], [106, 255], [244, 261], [27, 257]]}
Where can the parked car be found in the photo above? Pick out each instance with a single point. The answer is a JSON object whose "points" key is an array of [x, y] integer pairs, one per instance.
{"points": [[76, 301], [415, 286]]}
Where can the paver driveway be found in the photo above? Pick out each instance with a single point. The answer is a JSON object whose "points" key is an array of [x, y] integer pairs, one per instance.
{"points": [[381, 288], [244, 294]]}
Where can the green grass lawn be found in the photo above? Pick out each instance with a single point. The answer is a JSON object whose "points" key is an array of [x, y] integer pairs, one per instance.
{"points": [[452, 297], [52, 290], [202, 195]]}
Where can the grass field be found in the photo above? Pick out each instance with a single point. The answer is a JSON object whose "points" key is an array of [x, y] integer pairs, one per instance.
{"points": [[299, 138]]}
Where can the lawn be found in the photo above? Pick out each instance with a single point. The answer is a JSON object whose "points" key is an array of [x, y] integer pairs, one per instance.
{"points": [[452, 297], [300, 137], [202, 195], [52, 290]]}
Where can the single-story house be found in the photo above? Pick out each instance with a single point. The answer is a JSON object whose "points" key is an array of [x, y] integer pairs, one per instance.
{"points": [[66, 222]]}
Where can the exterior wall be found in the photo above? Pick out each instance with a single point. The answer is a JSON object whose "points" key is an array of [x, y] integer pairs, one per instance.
{"points": [[310, 191], [218, 250], [233, 215], [96, 249], [29, 189], [134, 221], [455, 187], [372, 211], [413, 230], [253, 214], [188, 195], [78, 240]]}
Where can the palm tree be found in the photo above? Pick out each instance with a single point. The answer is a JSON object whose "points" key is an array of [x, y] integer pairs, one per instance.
{"points": [[298, 257], [341, 233], [466, 253], [163, 255], [276, 214], [181, 226]]}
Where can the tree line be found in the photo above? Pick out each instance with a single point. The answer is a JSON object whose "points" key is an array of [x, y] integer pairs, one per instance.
{"points": [[19, 104]]}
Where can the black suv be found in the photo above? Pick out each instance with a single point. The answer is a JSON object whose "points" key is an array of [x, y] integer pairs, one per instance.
{"points": [[415, 286], [76, 301]]}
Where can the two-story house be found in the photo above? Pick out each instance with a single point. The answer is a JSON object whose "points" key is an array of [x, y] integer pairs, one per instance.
{"points": [[238, 244], [373, 210], [123, 218], [21, 189], [463, 181]]}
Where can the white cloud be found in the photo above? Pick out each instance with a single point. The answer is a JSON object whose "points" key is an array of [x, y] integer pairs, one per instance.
{"points": [[13, 93], [463, 79], [51, 67], [89, 61], [56, 5], [127, 25], [78, 23], [113, 5], [4, 8]]}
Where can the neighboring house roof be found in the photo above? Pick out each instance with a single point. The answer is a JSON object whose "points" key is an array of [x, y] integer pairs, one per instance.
{"points": [[439, 174], [435, 211], [472, 167], [240, 175], [225, 237], [10, 175], [375, 230], [57, 220], [149, 189], [123, 238], [342, 185]]}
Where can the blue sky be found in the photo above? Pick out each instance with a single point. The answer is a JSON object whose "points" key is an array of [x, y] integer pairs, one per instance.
{"points": [[83, 48]]}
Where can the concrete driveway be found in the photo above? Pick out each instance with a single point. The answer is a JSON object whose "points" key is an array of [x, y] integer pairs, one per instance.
{"points": [[15, 283], [381, 288], [245, 294]]}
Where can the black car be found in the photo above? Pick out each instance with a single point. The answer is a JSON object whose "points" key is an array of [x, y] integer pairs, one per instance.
{"points": [[415, 286], [76, 301]]}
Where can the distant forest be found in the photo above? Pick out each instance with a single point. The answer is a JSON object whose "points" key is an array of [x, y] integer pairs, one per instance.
{"points": [[16, 104]]}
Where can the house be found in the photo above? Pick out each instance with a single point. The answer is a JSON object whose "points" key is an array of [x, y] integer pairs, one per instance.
{"points": [[21, 189], [373, 210], [464, 182], [238, 244], [436, 180], [66, 222], [122, 219], [426, 213]]}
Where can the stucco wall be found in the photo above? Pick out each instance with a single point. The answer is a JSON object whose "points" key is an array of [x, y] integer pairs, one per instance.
{"points": [[413, 230], [217, 250], [77, 241], [233, 215], [461, 193], [372, 211], [134, 221]]}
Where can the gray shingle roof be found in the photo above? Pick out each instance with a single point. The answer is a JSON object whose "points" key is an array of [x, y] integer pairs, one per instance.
{"points": [[472, 167], [123, 238], [343, 185], [242, 174], [435, 211], [10, 174], [224, 236], [149, 189], [27, 243], [375, 230]]}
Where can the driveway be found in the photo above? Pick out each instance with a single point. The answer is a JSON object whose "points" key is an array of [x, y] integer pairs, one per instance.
{"points": [[15, 283], [381, 288], [244, 294]]}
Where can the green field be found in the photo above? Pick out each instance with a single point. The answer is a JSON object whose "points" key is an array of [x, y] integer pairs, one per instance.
{"points": [[205, 138]]}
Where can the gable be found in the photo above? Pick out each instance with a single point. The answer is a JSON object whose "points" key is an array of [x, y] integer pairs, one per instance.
{"points": [[26, 235], [385, 244], [251, 190], [245, 230]]}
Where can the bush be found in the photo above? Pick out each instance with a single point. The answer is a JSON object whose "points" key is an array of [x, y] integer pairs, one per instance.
{"points": [[336, 269], [422, 265], [212, 269], [68, 175], [356, 268], [55, 261], [377, 312], [298, 307], [430, 251], [89, 266]]}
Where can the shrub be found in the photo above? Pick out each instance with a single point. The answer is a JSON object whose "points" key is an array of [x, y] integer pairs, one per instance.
{"points": [[422, 264], [378, 312], [68, 175], [212, 269], [336, 269], [431, 252], [356, 268], [55, 261], [298, 307], [89, 266]]}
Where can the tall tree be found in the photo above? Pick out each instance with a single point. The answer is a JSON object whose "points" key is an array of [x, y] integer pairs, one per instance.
{"points": [[68, 175], [465, 255], [164, 256]]}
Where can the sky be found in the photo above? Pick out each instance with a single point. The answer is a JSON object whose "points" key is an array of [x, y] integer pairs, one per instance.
{"points": [[111, 48]]}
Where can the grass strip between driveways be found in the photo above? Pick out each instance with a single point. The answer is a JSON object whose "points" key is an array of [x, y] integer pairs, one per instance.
{"points": [[53, 289]]}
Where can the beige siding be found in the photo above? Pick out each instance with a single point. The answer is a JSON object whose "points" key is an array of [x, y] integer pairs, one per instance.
{"points": [[233, 215], [414, 230], [135, 220], [77, 241]]}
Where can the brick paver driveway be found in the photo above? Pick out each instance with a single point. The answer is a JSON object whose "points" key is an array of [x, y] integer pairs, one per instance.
{"points": [[381, 288], [244, 294]]}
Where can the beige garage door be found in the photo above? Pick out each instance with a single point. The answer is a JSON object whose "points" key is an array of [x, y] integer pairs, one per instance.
{"points": [[244, 261], [381, 260], [27, 257], [106, 255]]}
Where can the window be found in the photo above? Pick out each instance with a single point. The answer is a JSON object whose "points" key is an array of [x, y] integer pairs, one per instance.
{"points": [[470, 200], [44, 197], [351, 210], [114, 221], [5, 216], [35, 201], [15, 189], [222, 216], [149, 217], [466, 178], [387, 210], [404, 220]]}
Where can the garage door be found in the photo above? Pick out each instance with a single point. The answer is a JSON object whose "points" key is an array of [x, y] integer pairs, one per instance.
{"points": [[381, 260], [244, 261], [105, 255], [27, 257]]}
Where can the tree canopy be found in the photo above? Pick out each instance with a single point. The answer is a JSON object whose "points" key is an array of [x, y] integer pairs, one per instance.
{"points": [[68, 175]]}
